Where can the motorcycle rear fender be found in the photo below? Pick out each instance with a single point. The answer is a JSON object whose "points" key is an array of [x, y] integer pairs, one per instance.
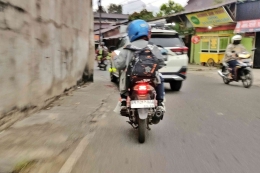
{"points": [[143, 113]]}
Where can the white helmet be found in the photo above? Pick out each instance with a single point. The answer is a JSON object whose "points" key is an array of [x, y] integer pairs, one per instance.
{"points": [[236, 38]]}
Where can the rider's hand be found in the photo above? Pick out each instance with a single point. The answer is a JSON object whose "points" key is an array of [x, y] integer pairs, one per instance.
{"points": [[113, 54]]}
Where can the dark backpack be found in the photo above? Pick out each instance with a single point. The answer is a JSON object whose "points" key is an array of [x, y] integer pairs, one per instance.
{"points": [[144, 64]]}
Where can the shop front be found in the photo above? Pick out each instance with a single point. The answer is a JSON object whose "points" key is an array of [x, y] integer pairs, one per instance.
{"points": [[248, 25], [251, 28], [214, 29]]}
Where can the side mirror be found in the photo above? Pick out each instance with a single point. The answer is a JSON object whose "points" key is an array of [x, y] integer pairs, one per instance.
{"points": [[253, 49], [164, 51]]}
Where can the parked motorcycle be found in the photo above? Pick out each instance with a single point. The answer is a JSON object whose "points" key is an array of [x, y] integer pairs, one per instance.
{"points": [[141, 107], [243, 72]]}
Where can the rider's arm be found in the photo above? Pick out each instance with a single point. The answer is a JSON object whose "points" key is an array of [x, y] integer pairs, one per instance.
{"points": [[242, 48], [158, 54], [229, 50], [120, 60], [229, 53]]}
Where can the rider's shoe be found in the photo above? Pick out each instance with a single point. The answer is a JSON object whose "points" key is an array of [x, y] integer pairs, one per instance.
{"points": [[160, 106], [123, 110]]}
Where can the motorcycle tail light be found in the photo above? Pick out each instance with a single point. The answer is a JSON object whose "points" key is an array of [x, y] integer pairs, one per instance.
{"points": [[142, 89]]}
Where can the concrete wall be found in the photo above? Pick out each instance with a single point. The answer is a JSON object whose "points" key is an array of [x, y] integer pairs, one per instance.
{"points": [[45, 47]]}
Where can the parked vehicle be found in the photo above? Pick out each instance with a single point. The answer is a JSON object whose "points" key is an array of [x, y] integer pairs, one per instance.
{"points": [[244, 73], [176, 58]]}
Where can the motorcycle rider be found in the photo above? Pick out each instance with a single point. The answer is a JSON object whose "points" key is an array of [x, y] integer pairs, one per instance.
{"points": [[102, 49], [139, 34], [231, 54]]}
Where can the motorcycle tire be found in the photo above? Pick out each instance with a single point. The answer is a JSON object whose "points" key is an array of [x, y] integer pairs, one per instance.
{"points": [[226, 81], [247, 82], [141, 130]]}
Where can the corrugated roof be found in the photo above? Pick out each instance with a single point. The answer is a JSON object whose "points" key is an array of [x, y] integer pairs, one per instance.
{"points": [[202, 5], [107, 29], [116, 36], [111, 16]]}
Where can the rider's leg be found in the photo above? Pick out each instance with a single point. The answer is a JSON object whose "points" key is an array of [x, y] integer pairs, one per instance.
{"points": [[123, 86], [235, 72], [232, 64], [98, 59], [160, 94]]}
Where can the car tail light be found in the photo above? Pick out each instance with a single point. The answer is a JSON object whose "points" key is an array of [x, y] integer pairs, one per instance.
{"points": [[180, 50], [142, 89]]}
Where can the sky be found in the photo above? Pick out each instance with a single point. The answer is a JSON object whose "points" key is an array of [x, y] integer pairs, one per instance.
{"points": [[130, 6]]}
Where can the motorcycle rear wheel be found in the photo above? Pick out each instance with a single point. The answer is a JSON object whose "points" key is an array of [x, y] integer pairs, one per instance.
{"points": [[141, 130]]}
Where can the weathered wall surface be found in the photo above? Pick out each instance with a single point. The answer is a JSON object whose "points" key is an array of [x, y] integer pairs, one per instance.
{"points": [[45, 47]]}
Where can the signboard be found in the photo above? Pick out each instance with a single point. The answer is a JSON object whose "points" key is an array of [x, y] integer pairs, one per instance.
{"points": [[195, 39], [210, 17], [248, 26]]}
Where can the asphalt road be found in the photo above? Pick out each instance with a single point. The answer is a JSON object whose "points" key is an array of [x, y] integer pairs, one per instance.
{"points": [[209, 127]]}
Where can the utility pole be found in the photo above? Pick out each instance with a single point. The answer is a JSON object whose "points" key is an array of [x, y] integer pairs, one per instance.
{"points": [[100, 9]]}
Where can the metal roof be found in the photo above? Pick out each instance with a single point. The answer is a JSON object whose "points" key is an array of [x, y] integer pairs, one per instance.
{"points": [[111, 15], [116, 36], [202, 5], [107, 29]]}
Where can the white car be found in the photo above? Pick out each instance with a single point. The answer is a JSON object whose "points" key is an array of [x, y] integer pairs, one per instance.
{"points": [[176, 61]]}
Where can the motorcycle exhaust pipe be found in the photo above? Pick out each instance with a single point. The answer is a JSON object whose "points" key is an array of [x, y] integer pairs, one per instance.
{"points": [[157, 117], [159, 114], [220, 73]]}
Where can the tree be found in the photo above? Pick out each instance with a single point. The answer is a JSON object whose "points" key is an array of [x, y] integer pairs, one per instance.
{"points": [[102, 9], [144, 14], [169, 8], [113, 8]]}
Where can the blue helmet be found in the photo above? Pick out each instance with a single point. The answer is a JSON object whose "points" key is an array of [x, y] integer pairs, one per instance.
{"points": [[137, 28]]}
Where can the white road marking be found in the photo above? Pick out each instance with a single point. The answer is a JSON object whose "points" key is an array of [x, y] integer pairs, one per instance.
{"points": [[74, 157]]}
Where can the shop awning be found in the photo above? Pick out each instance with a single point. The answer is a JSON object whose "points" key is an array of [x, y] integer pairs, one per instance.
{"points": [[213, 17], [248, 26]]}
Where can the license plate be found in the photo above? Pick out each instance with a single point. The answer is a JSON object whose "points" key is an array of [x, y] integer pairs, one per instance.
{"points": [[142, 104]]}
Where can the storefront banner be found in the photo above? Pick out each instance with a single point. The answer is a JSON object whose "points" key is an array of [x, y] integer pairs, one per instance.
{"points": [[210, 17], [248, 26]]}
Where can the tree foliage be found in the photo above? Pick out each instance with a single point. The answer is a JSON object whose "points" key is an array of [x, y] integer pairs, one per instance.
{"points": [[102, 9], [169, 8], [113, 8], [144, 14]]}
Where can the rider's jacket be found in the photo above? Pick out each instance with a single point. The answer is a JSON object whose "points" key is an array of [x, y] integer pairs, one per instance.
{"points": [[231, 47]]}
